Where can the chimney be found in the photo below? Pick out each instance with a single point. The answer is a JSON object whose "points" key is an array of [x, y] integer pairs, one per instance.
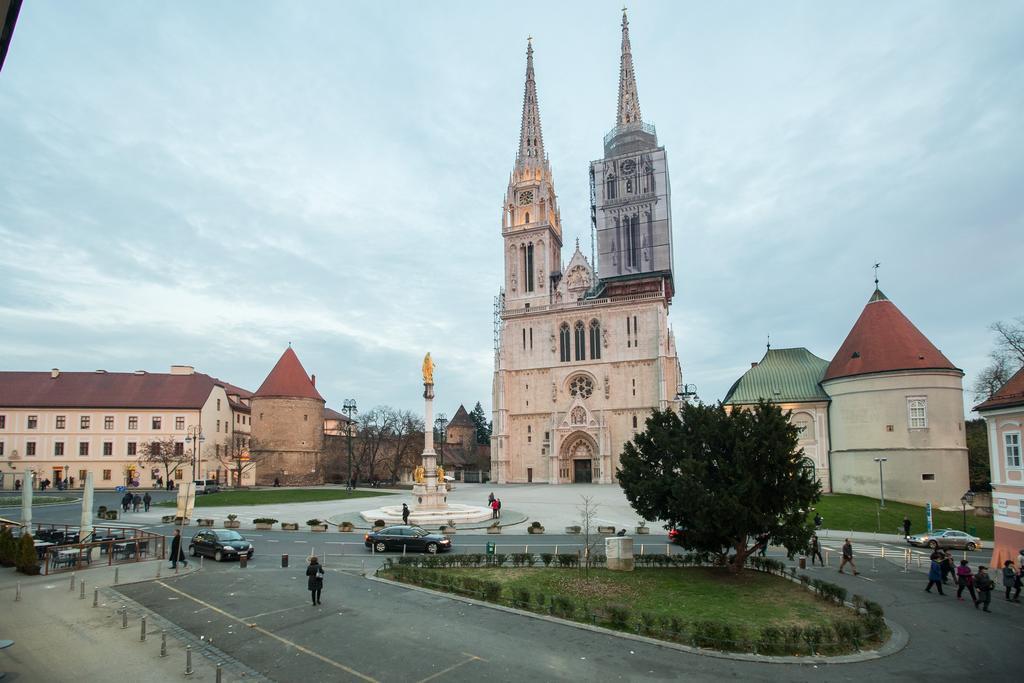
{"points": [[55, 373], [182, 370], [753, 364], [312, 378], [140, 372]]}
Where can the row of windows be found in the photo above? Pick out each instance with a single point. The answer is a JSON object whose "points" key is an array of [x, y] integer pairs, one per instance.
{"points": [[85, 422], [578, 348], [131, 448]]}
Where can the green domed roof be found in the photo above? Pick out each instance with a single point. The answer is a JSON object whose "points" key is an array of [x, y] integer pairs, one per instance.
{"points": [[782, 376]]}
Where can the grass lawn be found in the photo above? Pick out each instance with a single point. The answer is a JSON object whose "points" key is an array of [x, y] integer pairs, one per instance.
{"points": [[37, 499], [844, 512], [274, 496], [671, 603]]}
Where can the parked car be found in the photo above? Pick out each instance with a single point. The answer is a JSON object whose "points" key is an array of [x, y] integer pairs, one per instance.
{"points": [[409, 537], [220, 544], [946, 538], [207, 486]]}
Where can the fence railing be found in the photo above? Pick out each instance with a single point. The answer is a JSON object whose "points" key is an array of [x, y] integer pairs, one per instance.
{"points": [[60, 547]]}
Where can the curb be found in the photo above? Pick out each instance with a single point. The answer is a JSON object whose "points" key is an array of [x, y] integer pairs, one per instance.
{"points": [[897, 641]]}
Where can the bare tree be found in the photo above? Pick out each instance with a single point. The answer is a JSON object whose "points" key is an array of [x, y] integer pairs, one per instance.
{"points": [[238, 456], [166, 452], [376, 429], [588, 515], [407, 441], [1006, 358]]}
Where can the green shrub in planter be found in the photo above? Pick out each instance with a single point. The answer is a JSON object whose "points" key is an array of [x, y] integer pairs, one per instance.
{"points": [[6, 548], [27, 560]]}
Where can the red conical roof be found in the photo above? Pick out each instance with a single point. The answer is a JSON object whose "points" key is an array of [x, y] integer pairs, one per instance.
{"points": [[288, 379], [884, 340]]}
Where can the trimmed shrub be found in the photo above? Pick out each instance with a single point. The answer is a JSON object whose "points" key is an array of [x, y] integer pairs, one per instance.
{"points": [[771, 641], [650, 622], [491, 590], [546, 558], [521, 598], [540, 600], [6, 548], [27, 561], [563, 607], [500, 558], [264, 520], [567, 560], [618, 615]]}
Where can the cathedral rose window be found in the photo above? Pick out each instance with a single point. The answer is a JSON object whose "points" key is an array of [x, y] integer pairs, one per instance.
{"points": [[581, 386]]}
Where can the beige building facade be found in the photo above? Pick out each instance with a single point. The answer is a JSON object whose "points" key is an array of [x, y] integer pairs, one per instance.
{"points": [[582, 360], [62, 425]]}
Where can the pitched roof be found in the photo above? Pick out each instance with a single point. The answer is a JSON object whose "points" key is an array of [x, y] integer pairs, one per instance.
{"points": [[782, 376], [332, 414], [1010, 394], [288, 379], [462, 418], [884, 340], [105, 390]]}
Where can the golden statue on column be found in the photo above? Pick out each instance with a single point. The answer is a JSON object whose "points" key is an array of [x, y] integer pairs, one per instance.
{"points": [[428, 369]]}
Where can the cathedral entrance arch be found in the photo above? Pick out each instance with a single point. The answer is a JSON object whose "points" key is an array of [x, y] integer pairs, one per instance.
{"points": [[577, 456]]}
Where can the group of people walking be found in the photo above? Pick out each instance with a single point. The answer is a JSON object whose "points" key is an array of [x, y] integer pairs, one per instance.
{"points": [[495, 505], [134, 502], [978, 584]]}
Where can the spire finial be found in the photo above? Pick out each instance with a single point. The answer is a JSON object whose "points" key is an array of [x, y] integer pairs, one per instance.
{"points": [[876, 274], [531, 140], [629, 100], [769, 341]]}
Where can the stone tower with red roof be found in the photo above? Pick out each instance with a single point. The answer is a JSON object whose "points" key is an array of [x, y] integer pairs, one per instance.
{"points": [[287, 425], [894, 395]]}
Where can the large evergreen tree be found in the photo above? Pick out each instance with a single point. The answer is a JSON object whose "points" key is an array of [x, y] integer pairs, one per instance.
{"points": [[723, 477], [483, 427]]}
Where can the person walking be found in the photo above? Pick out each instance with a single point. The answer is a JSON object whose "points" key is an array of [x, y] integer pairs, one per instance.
{"points": [[848, 558], [906, 526], [497, 501], [1018, 584], [1009, 578], [818, 520], [947, 565], [177, 553], [494, 509], [126, 501], [762, 543], [816, 550], [136, 502], [315, 582], [405, 513], [984, 585], [490, 498], [935, 575], [147, 500], [965, 579]]}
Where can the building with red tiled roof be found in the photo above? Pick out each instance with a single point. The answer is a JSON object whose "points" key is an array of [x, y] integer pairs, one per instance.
{"points": [[288, 425], [895, 396], [1004, 417], [63, 425]]}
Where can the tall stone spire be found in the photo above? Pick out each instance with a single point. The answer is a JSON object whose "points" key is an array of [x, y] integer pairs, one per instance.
{"points": [[531, 140], [629, 101]]}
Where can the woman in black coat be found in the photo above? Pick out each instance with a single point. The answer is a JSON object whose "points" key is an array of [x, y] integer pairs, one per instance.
{"points": [[315, 583], [177, 552]]}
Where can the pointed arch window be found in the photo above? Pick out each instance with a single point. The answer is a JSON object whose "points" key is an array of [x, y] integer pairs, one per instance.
{"points": [[609, 189], [595, 339], [581, 341], [529, 264], [563, 343]]}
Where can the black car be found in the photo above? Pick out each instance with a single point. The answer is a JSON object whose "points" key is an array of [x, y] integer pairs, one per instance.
{"points": [[220, 544], [407, 537]]}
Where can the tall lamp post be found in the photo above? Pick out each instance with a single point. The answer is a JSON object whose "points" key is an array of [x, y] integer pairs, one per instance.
{"points": [[881, 482], [349, 408], [195, 438], [965, 500], [439, 425]]}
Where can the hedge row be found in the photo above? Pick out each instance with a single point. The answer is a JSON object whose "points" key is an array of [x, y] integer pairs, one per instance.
{"points": [[840, 636], [18, 552]]}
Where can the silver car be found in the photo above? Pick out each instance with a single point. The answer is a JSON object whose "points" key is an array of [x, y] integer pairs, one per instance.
{"points": [[946, 538]]}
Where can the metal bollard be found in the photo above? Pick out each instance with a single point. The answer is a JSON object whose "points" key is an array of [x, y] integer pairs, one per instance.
{"points": [[883, 552], [81, 590], [17, 593], [188, 660], [117, 571], [158, 567], [72, 588], [95, 597], [219, 665], [163, 643], [243, 561], [175, 569], [142, 630], [124, 616], [827, 555]]}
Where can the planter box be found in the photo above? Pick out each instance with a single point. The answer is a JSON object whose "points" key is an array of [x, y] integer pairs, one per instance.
{"points": [[265, 526], [169, 519], [606, 530], [572, 530], [290, 526], [346, 528], [494, 529], [448, 530], [535, 529], [232, 525], [318, 527], [204, 522], [643, 530]]}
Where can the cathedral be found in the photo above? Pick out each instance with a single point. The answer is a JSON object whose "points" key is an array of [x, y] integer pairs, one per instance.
{"points": [[583, 351]]}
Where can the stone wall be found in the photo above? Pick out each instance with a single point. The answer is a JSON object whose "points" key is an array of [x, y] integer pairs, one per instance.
{"points": [[287, 440]]}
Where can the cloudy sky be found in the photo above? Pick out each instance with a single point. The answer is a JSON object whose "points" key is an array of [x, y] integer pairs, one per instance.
{"points": [[202, 183]]}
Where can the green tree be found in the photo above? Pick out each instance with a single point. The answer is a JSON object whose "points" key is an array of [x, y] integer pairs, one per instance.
{"points": [[483, 427], [6, 547], [977, 455], [723, 477], [27, 561]]}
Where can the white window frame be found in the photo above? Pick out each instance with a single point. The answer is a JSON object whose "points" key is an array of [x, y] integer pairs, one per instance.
{"points": [[911, 401], [1016, 446]]}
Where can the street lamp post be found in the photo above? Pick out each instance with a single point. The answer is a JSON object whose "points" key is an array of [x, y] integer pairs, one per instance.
{"points": [[195, 438], [881, 482], [966, 500], [439, 425], [349, 408]]}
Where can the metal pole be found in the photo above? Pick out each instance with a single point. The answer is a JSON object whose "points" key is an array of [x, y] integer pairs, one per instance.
{"points": [[881, 483], [142, 630], [17, 593], [72, 588], [188, 660], [95, 597], [218, 672], [124, 616], [163, 643], [116, 571], [81, 592], [963, 504]]}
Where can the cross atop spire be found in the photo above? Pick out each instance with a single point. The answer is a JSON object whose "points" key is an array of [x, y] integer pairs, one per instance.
{"points": [[531, 140], [629, 101]]}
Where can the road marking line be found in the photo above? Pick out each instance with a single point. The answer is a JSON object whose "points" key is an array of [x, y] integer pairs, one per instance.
{"points": [[442, 672], [276, 611], [267, 633]]}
